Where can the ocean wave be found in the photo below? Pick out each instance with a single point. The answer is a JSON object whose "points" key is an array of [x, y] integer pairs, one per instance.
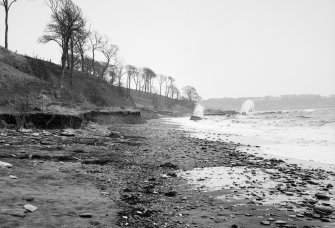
{"points": [[271, 112], [309, 110], [304, 117]]}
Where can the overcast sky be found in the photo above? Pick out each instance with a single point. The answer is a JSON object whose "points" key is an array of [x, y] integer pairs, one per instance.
{"points": [[224, 48]]}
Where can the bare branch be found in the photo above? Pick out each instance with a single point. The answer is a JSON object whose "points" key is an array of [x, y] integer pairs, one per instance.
{"points": [[10, 3], [7, 5]]}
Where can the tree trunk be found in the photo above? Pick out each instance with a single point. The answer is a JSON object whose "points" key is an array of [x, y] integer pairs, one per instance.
{"points": [[72, 62], [82, 61], [64, 60], [104, 70], [93, 66], [68, 60], [63, 70], [6, 30]]}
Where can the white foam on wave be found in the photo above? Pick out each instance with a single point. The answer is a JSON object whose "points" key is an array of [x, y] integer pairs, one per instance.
{"points": [[279, 134]]}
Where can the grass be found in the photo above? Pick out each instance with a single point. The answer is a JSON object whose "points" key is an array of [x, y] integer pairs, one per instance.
{"points": [[31, 82]]}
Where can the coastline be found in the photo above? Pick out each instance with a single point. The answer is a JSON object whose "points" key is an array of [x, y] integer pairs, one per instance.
{"points": [[135, 175], [252, 145]]}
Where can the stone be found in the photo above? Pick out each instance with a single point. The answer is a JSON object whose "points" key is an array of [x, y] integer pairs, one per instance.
{"points": [[13, 177], [280, 222], [67, 133], [316, 216], [326, 220], [266, 223], [326, 204], [85, 215], [30, 208], [169, 165], [172, 174], [324, 210], [312, 182], [24, 131], [95, 223], [5, 165], [171, 193], [115, 134], [329, 186], [28, 198], [321, 196]]}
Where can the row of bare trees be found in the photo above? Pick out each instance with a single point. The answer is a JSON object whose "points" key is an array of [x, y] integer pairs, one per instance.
{"points": [[80, 47]]}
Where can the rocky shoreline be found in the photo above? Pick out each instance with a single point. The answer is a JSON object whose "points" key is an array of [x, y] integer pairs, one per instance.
{"points": [[141, 175]]}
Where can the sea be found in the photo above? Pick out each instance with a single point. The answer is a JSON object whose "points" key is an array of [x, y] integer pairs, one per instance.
{"points": [[304, 135]]}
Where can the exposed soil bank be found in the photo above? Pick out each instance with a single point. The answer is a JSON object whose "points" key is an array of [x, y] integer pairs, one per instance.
{"points": [[130, 176], [46, 120], [40, 120]]}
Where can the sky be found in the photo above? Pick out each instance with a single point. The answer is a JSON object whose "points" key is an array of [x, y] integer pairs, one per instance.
{"points": [[224, 48]]}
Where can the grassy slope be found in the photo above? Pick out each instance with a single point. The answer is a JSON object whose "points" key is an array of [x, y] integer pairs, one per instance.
{"points": [[27, 83]]}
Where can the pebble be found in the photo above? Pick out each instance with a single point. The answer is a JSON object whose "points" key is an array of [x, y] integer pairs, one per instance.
{"points": [[95, 223], [171, 193], [280, 222], [30, 208], [325, 220], [329, 186], [115, 134], [321, 196], [85, 215], [266, 223], [5, 165], [323, 209], [67, 133]]}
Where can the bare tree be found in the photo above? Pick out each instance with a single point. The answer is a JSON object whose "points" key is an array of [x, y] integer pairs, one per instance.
{"points": [[119, 78], [148, 75], [168, 85], [143, 81], [66, 21], [161, 80], [191, 94], [175, 91], [99, 66], [7, 5], [97, 44], [137, 79], [109, 51], [112, 75], [119, 71], [131, 71], [81, 47]]}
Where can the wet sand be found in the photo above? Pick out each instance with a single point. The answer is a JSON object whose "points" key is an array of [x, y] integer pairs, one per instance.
{"points": [[143, 176]]}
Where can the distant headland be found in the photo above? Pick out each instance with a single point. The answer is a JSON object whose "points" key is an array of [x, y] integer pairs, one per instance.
{"points": [[283, 102]]}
